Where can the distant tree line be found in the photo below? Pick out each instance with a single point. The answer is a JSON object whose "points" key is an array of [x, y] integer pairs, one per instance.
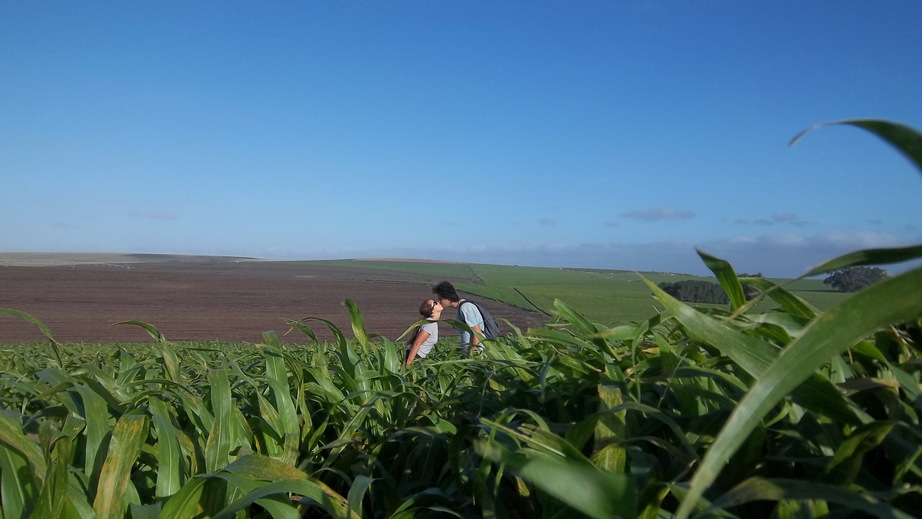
{"points": [[749, 291], [853, 279], [696, 291]]}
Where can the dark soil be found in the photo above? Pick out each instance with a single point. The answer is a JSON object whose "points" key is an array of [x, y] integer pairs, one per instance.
{"points": [[214, 299]]}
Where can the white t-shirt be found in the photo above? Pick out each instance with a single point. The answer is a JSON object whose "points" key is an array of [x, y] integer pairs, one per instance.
{"points": [[433, 328]]}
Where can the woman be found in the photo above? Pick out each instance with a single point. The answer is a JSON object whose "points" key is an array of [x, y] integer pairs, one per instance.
{"points": [[427, 334]]}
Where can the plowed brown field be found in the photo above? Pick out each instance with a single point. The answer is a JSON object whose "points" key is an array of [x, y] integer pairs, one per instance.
{"points": [[211, 298]]}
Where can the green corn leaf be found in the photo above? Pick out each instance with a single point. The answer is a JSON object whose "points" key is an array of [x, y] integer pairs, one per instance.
{"points": [[357, 492], [104, 385], [905, 139], [844, 466], [752, 354], [755, 356], [12, 437], [392, 357], [688, 451], [30, 319], [277, 378], [261, 477], [726, 276], [608, 452], [170, 363], [76, 506], [18, 489], [357, 321], [169, 456], [151, 511], [543, 441], [220, 438], [98, 427], [284, 412], [149, 328], [187, 502], [128, 436], [563, 339], [298, 325], [314, 491], [573, 317], [893, 300], [789, 302], [867, 257], [758, 489], [41, 327], [264, 427], [60, 384], [194, 408], [53, 498], [581, 486]]}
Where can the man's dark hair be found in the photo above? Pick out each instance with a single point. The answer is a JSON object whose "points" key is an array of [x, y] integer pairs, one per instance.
{"points": [[446, 290]]}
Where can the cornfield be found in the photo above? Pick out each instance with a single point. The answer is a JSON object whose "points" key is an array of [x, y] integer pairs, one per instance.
{"points": [[718, 413]]}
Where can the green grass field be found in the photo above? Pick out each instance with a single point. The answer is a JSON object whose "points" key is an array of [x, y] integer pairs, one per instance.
{"points": [[603, 296]]}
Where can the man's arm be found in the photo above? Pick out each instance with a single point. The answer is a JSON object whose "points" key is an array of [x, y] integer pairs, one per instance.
{"points": [[475, 337]]}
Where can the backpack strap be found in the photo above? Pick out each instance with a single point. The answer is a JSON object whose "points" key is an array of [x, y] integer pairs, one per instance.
{"points": [[475, 306]]}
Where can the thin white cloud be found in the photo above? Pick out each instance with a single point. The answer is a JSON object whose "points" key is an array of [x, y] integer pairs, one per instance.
{"points": [[775, 219], [785, 255], [858, 239], [658, 214], [791, 254], [155, 215], [784, 217]]}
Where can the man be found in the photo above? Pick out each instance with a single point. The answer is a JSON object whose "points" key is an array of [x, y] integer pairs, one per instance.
{"points": [[467, 314]]}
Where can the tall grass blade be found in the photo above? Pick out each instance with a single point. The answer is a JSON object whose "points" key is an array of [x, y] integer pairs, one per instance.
{"points": [[905, 139], [96, 413], [867, 257], [53, 498], [186, 502], [788, 302], [357, 494], [583, 487], [265, 477], [893, 300], [223, 431], [758, 489], [169, 456], [30, 319], [726, 276], [18, 489], [277, 378], [128, 436], [149, 328], [755, 356], [752, 354], [357, 321], [12, 437], [41, 328]]}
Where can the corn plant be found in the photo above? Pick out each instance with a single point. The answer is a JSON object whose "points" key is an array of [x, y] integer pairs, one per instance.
{"points": [[724, 412]]}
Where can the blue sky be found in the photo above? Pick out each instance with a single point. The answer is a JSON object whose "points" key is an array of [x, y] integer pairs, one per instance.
{"points": [[616, 134]]}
